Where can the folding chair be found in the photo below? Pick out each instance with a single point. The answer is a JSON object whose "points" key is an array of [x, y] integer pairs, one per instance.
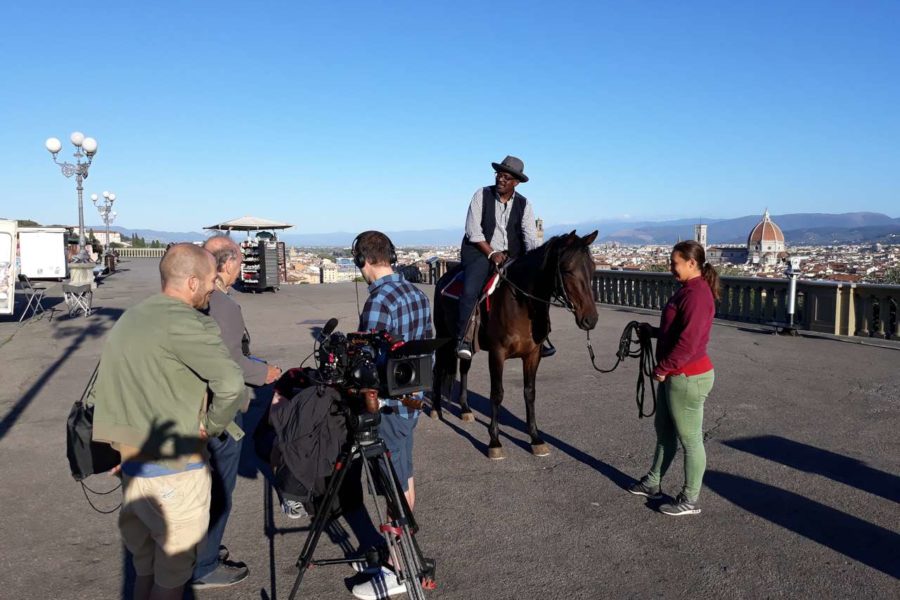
{"points": [[34, 295], [78, 298]]}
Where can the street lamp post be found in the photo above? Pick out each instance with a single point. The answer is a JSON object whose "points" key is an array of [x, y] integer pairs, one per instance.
{"points": [[85, 147], [106, 213]]}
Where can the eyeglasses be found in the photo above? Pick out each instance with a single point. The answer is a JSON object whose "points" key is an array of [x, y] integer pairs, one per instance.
{"points": [[504, 176]]}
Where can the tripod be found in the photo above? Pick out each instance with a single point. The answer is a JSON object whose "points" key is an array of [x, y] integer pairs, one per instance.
{"points": [[397, 524]]}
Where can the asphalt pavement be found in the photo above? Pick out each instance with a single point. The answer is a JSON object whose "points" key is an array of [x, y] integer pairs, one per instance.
{"points": [[801, 498]]}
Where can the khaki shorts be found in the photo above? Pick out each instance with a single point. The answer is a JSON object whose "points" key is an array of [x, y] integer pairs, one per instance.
{"points": [[163, 521]]}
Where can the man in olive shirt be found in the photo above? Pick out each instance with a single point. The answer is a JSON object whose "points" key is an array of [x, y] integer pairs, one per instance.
{"points": [[159, 362]]}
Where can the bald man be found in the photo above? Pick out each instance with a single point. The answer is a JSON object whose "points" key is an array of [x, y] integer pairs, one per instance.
{"points": [[150, 402], [214, 569]]}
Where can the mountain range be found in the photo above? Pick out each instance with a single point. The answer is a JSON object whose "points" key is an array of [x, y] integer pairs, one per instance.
{"points": [[798, 228]]}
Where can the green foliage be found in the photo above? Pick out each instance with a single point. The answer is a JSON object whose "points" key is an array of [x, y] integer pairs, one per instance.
{"points": [[137, 241], [156, 244], [657, 268], [27, 223], [892, 276], [729, 271]]}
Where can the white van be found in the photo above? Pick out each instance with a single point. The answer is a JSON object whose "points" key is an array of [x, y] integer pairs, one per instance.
{"points": [[8, 271]]}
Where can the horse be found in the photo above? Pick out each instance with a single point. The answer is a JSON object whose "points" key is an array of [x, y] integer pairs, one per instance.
{"points": [[518, 322]]}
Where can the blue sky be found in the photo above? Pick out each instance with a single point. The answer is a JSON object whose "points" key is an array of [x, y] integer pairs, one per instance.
{"points": [[354, 115]]}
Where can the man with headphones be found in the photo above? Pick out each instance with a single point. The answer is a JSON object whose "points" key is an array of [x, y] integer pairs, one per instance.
{"points": [[403, 310]]}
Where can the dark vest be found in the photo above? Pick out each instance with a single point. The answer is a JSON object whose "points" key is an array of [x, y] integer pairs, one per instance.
{"points": [[516, 245]]}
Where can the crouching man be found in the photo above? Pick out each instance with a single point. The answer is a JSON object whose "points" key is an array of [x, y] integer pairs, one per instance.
{"points": [[159, 361]]}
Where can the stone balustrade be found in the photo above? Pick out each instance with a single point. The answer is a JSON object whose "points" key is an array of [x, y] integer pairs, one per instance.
{"points": [[141, 252], [837, 308]]}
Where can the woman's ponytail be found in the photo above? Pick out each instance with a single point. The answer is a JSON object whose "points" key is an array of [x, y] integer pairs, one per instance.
{"points": [[711, 277]]}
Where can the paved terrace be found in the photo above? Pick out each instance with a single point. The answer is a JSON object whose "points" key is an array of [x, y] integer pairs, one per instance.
{"points": [[800, 500]]}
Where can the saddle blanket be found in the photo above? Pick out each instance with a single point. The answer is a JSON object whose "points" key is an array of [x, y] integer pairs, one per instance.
{"points": [[454, 289]]}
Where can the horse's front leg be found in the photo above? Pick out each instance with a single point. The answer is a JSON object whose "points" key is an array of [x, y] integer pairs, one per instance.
{"points": [[495, 363], [465, 413], [529, 370]]}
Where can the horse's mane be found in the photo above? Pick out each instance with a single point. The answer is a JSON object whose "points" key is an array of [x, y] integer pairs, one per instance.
{"points": [[535, 259]]}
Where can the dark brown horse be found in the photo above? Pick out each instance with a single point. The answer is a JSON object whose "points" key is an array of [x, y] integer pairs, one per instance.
{"points": [[560, 272]]}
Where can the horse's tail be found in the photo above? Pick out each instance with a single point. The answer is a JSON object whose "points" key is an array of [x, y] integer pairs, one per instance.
{"points": [[444, 312]]}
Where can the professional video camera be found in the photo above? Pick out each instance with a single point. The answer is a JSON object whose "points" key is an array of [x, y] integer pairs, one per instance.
{"points": [[353, 372], [374, 360]]}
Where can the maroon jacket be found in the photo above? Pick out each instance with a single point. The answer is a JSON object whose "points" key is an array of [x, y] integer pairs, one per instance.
{"points": [[684, 330]]}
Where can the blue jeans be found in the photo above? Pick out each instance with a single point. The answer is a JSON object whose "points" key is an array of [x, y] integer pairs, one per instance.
{"points": [[477, 268], [224, 457]]}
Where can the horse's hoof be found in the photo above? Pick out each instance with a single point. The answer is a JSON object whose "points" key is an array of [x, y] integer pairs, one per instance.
{"points": [[540, 449], [496, 454], [467, 417]]}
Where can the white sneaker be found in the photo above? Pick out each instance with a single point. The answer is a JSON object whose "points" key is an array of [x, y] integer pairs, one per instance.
{"points": [[381, 585], [293, 509]]}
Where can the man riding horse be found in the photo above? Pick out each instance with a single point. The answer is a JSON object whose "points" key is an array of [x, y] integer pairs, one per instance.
{"points": [[500, 225]]}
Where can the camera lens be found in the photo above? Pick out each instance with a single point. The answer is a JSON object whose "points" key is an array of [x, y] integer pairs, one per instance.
{"points": [[404, 373]]}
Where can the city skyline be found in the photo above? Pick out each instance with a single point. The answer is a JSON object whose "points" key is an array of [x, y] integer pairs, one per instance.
{"points": [[388, 116]]}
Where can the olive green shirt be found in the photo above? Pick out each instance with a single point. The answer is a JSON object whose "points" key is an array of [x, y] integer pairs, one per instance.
{"points": [[158, 362]]}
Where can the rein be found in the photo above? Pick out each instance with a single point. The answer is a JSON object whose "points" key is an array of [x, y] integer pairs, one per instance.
{"points": [[557, 298], [633, 345]]}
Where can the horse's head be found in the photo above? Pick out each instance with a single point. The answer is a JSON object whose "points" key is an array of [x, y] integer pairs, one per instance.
{"points": [[575, 271]]}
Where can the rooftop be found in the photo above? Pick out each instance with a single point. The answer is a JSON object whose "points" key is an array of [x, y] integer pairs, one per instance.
{"points": [[801, 492]]}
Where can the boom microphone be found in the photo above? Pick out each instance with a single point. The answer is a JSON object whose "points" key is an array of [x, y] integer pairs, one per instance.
{"points": [[330, 326]]}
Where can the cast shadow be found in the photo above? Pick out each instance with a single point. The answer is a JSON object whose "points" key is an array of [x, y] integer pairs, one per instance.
{"points": [[161, 444], [481, 404], [836, 467], [859, 540], [96, 326]]}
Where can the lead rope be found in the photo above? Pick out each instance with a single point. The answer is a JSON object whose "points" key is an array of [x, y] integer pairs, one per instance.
{"points": [[632, 345]]}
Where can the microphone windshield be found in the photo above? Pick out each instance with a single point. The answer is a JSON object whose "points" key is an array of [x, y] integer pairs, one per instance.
{"points": [[330, 326]]}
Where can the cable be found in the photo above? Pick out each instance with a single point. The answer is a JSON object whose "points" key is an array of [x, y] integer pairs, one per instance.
{"points": [[633, 345]]}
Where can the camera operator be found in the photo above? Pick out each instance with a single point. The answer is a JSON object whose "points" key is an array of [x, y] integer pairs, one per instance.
{"points": [[403, 310], [213, 570]]}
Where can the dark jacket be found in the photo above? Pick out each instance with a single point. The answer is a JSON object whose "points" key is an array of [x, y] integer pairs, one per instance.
{"points": [[310, 432]]}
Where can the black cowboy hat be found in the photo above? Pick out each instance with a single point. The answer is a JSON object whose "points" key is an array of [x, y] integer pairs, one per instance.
{"points": [[512, 165]]}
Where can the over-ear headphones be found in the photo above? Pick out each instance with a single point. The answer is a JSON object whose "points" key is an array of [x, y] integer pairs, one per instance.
{"points": [[359, 260]]}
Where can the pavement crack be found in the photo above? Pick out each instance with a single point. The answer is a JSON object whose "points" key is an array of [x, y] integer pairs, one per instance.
{"points": [[709, 432]]}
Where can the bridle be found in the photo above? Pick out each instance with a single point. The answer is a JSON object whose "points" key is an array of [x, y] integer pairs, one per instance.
{"points": [[559, 297]]}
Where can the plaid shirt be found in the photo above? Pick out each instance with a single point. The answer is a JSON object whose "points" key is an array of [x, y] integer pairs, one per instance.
{"points": [[403, 310]]}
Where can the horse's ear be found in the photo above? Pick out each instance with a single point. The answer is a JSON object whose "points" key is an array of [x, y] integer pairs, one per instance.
{"points": [[589, 239], [571, 234]]}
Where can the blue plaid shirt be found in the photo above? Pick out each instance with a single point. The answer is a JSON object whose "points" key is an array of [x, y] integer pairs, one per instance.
{"points": [[403, 310]]}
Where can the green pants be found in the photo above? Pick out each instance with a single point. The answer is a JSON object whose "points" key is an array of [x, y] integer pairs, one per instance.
{"points": [[679, 416]]}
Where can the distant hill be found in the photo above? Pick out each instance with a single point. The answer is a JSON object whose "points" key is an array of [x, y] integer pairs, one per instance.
{"points": [[798, 228], [151, 234]]}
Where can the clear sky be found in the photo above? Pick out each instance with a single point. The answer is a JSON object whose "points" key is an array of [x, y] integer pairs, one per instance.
{"points": [[347, 115]]}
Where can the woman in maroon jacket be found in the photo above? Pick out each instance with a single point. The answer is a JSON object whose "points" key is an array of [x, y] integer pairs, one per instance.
{"points": [[685, 375]]}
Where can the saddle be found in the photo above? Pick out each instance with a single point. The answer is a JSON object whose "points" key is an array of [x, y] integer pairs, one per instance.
{"points": [[454, 287]]}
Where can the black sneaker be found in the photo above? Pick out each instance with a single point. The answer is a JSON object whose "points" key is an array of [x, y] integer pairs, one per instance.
{"points": [[464, 351], [680, 506], [642, 489], [225, 574]]}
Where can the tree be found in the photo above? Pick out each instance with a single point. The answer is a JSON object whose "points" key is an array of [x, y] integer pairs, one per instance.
{"points": [[156, 244], [892, 276], [27, 223], [657, 268]]}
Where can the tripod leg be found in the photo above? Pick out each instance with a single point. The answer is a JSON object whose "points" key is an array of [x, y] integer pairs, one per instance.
{"points": [[407, 557], [323, 514]]}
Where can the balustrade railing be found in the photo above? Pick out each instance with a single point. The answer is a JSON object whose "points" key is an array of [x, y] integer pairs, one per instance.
{"points": [[141, 252], [839, 308]]}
